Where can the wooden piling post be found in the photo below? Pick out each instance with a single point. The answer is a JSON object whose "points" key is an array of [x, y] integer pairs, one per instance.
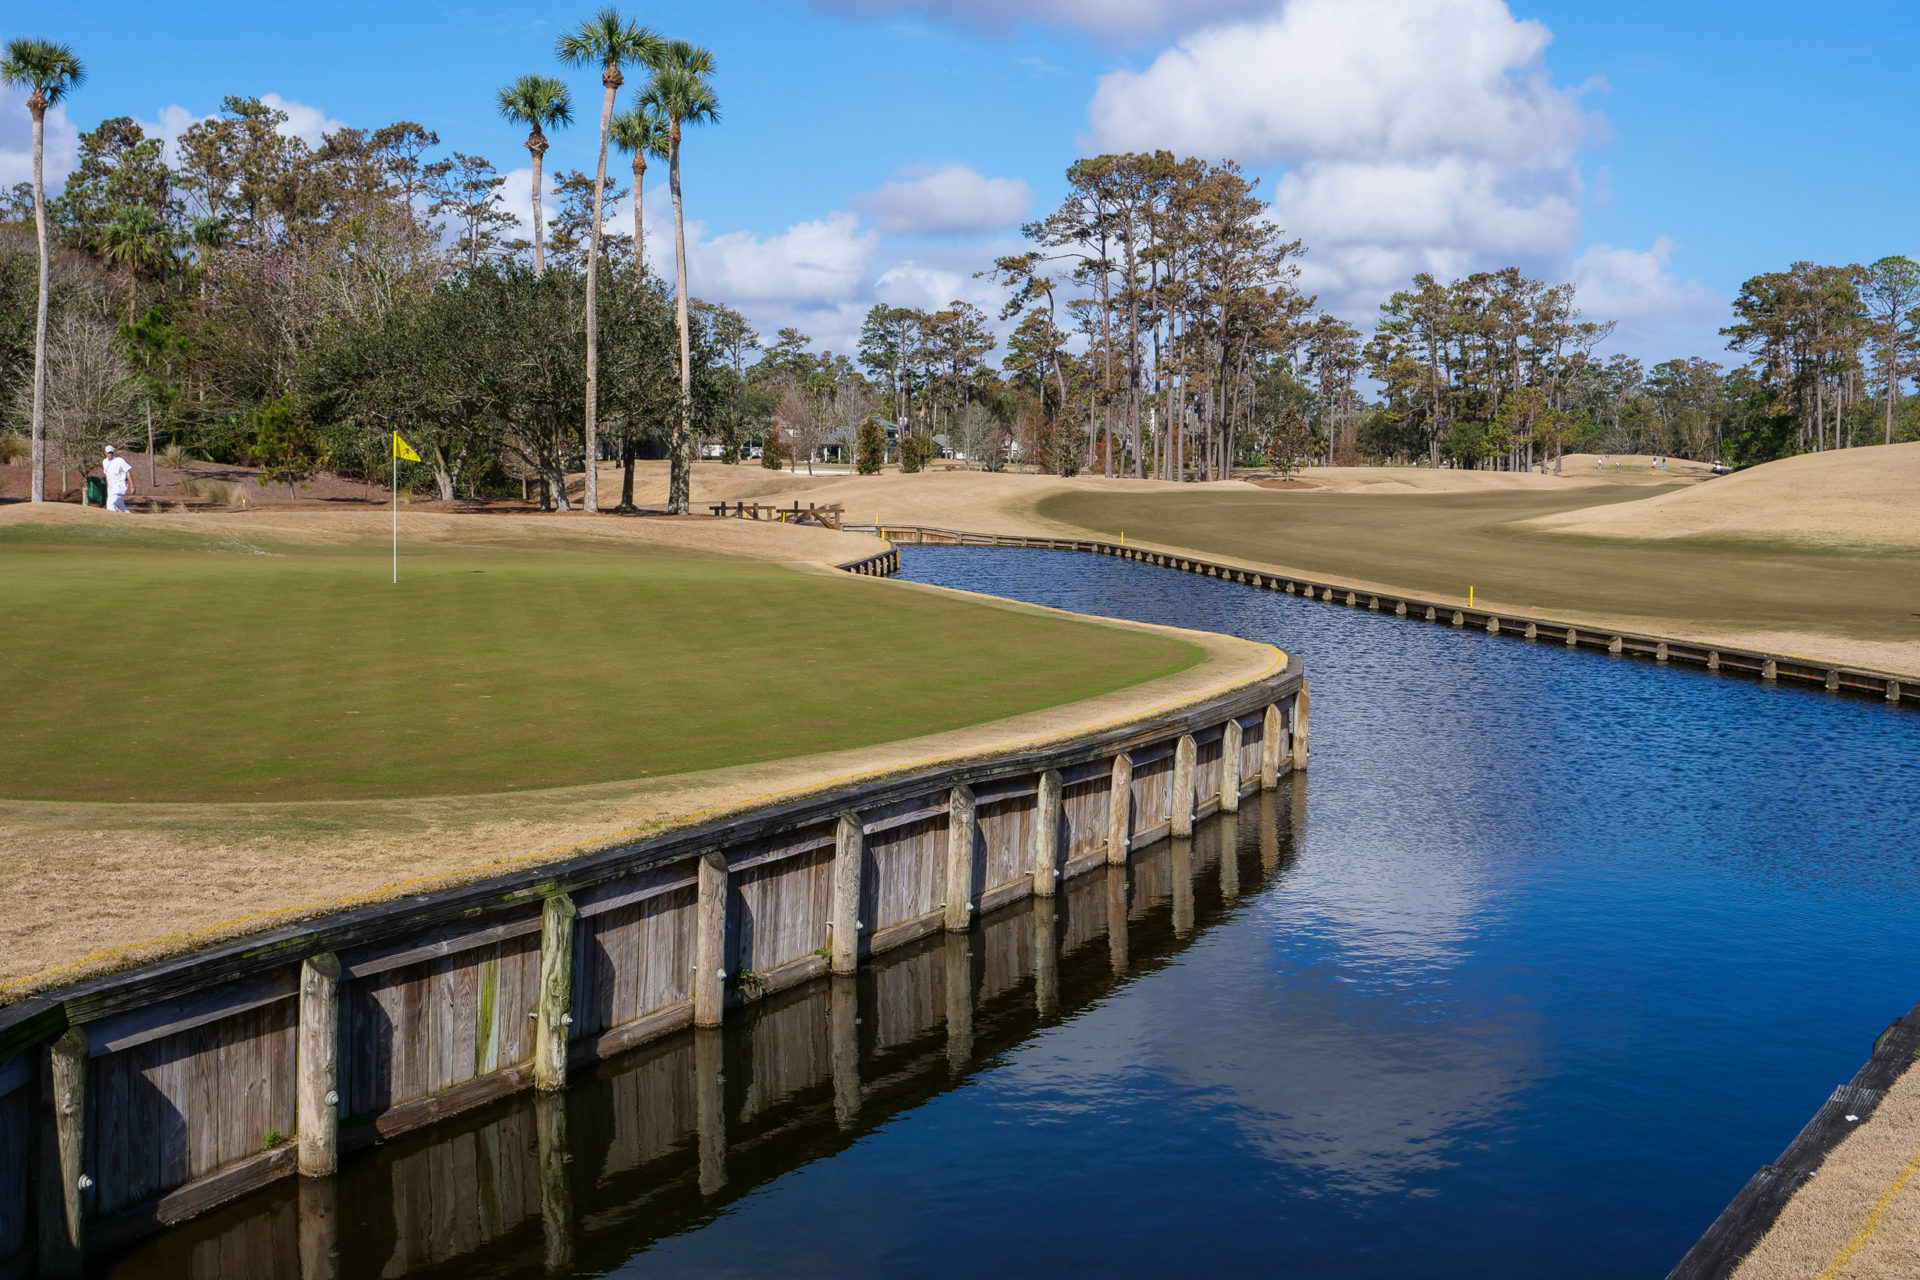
{"points": [[849, 852], [1228, 828], [1769, 670], [1493, 626], [1045, 858], [843, 1030], [1273, 734], [962, 835], [1230, 767], [1893, 691], [1713, 659], [1660, 653], [710, 941], [1616, 645], [317, 1068], [1182, 874], [63, 1154], [1117, 959], [1573, 638], [1120, 811], [1833, 680], [1400, 608], [1046, 961], [1300, 701], [710, 1107], [556, 1186], [1533, 631], [1269, 833], [959, 979], [554, 1014], [1180, 804], [319, 1229]]}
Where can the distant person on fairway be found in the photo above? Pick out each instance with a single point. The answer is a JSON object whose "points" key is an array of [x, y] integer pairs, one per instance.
{"points": [[117, 470]]}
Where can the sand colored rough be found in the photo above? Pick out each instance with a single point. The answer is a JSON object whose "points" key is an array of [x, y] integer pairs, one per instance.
{"points": [[320, 526], [1866, 497], [99, 887], [1856, 1219]]}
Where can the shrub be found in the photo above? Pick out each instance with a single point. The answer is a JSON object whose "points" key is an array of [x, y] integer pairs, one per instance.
{"points": [[870, 449], [14, 447], [917, 448]]}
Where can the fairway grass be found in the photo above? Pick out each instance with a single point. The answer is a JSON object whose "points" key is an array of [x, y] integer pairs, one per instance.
{"points": [[152, 665], [1442, 544]]}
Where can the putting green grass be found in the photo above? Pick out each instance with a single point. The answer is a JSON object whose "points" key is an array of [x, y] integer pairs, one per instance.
{"points": [[162, 666], [1440, 544]]}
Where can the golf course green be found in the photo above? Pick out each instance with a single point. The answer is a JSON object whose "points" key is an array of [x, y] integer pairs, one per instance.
{"points": [[154, 665]]}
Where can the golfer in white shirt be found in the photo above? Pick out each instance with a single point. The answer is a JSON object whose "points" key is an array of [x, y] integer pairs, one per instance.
{"points": [[117, 470]]}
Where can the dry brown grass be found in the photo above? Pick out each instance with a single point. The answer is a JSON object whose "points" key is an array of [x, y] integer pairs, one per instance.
{"points": [[1847, 497], [1859, 1218]]}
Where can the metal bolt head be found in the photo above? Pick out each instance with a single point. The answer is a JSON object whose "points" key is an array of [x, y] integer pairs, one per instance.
{"points": [[333, 1097], [85, 1183]]}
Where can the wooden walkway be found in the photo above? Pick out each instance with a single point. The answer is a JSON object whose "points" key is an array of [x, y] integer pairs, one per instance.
{"points": [[1795, 669]]}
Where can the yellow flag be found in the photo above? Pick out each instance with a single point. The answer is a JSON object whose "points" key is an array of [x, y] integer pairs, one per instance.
{"points": [[401, 449]]}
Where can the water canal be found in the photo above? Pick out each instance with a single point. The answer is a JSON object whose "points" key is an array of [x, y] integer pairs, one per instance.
{"points": [[1539, 960]]}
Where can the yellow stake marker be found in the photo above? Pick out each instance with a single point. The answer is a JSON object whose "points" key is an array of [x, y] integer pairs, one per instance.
{"points": [[1469, 597], [1123, 537]]}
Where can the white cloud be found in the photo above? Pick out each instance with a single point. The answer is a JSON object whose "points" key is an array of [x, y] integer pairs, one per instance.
{"points": [[62, 142], [309, 124], [950, 200], [814, 264], [1379, 79], [1656, 311], [174, 120], [1109, 20], [1412, 135]]}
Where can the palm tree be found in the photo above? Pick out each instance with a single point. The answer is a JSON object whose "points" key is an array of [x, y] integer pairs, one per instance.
{"points": [[640, 131], [137, 241], [48, 72], [540, 103], [679, 91], [611, 42]]}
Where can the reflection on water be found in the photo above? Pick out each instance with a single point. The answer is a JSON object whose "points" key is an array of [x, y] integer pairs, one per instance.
{"points": [[657, 1142], [1571, 946]]}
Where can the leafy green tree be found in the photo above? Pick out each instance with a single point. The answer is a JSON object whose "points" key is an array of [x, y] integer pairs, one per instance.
{"points": [[680, 92], [468, 188], [284, 443], [120, 166], [1891, 290], [540, 103], [48, 72], [610, 42], [917, 448]]}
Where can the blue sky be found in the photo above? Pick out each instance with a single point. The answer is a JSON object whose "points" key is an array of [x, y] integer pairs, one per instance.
{"points": [[1656, 154]]}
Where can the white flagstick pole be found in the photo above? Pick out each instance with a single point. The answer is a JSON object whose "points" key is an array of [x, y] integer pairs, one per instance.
{"points": [[394, 450]]}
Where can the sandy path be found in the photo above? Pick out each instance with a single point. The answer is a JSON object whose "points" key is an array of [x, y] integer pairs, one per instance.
{"points": [[361, 525], [1859, 1218], [96, 887]]}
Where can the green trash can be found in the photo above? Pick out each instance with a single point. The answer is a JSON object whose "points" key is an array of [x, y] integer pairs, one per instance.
{"points": [[96, 491]]}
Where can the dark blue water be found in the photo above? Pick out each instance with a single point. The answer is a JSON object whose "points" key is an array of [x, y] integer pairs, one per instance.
{"points": [[1558, 949], [1573, 945]]}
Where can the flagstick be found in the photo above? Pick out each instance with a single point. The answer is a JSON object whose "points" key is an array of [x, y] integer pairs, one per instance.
{"points": [[396, 514]]}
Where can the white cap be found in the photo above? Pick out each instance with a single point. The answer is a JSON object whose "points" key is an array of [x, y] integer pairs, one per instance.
{"points": [[109, 448]]}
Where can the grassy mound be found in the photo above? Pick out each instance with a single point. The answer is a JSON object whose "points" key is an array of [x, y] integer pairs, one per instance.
{"points": [[162, 665]]}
